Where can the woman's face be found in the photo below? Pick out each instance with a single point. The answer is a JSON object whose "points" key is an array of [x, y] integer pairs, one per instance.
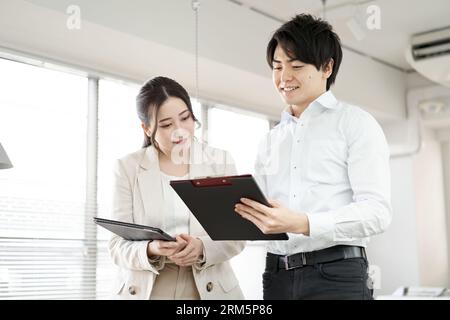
{"points": [[174, 125]]}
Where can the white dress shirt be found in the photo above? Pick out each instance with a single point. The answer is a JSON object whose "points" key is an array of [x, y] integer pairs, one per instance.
{"points": [[175, 212], [331, 163]]}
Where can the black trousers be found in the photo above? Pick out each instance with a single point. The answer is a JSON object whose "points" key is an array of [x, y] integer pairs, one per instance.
{"points": [[345, 279]]}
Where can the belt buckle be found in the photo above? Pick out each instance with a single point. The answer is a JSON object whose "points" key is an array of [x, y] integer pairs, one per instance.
{"points": [[286, 262]]}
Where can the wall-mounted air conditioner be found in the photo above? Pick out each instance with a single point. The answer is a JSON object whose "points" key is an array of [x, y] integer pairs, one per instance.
{"points": [[429, 55]]}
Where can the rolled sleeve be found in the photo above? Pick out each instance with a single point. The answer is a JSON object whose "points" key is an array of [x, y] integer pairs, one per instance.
{"points": [[201, 264], [145, 261]]}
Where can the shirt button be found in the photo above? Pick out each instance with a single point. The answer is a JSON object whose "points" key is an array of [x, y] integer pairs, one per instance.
{"points": [[294, 195], [209, 287], [295, 167], [298, 141]]}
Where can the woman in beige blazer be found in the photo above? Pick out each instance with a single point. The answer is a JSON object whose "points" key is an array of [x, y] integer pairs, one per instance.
{"points": [[193, 267]]}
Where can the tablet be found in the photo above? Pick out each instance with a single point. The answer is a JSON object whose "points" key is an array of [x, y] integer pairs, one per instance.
{"points": [[131, 231], [212, 202]]}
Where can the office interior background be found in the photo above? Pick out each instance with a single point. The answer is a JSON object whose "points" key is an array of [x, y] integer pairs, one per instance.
{"points": [[69, 74]]}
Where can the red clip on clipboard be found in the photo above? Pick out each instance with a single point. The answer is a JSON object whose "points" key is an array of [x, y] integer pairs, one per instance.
{"points": [[212, 201], [210, 182]]}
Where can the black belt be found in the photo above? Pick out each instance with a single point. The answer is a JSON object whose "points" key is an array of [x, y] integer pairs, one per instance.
{"points": [[298, 260]]}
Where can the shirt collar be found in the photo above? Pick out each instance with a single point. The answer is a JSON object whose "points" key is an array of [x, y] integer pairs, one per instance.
{"points": [[326, 100]]}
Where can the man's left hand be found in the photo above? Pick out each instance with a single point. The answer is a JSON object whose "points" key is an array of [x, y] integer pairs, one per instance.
{"points": [[277, 219]]}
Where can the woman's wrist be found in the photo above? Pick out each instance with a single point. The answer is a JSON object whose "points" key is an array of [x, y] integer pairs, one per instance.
{"points": [[150, 253]]}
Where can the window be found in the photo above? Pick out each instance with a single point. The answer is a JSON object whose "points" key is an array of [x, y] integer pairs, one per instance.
{"points": [[119, 133], [45, 250], [238, 133]]}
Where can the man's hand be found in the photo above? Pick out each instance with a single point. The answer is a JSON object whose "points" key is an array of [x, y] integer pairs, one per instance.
{"points": [[191, 254], [277, 219], [165, 248]]}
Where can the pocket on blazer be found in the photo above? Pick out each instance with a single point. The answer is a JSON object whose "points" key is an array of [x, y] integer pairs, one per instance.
{"points": [[119, 287], [228, 282]]}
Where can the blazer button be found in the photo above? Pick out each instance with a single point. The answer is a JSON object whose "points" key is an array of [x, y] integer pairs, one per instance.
{"points": [[132, 290], [209, 286]]}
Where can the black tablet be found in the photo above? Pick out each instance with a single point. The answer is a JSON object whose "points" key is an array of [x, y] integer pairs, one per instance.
{"points": [[131, 231], [212, 201]]}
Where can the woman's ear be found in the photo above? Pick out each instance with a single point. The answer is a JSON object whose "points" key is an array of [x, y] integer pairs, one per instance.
{"points": [[146, 130]]}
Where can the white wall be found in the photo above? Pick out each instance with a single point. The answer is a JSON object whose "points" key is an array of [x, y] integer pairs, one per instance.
{"points": [[377, 88], [445, 143], [417, 244], [415, 80], [431, 214], [395, 252]]}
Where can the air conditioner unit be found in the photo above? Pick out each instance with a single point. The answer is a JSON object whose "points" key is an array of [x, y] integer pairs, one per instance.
{"points": [[429, 55]]}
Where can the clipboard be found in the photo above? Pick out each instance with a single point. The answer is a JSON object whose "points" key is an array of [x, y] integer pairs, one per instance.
{"points": [[212, 201], [134, 232]]}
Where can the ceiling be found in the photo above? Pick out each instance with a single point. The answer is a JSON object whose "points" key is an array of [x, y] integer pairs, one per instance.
{"points": [[247, 24], [236, 32], [399, 20], [233, 35]]}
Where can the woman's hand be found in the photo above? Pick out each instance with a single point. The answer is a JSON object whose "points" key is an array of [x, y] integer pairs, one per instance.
{"points": [[165, 248], [192, 253]]}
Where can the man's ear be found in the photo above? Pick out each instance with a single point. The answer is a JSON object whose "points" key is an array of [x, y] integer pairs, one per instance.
{"points": [[328, 70]]}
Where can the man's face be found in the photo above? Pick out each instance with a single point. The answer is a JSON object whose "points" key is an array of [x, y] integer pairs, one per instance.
{"points": [[298, 83]]}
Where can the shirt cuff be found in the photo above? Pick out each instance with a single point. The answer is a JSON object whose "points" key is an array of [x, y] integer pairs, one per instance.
{"points": [[321, 225]]}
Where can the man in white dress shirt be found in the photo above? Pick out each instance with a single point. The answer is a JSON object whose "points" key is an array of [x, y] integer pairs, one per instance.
{"points": [[326, 165]]}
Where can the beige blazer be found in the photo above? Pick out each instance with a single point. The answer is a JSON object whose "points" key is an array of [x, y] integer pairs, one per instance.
{"points": [[138, 199]]}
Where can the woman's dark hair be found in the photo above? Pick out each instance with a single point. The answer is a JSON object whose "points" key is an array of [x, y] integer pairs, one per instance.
{"points": [[310, 40], [152, 96]]}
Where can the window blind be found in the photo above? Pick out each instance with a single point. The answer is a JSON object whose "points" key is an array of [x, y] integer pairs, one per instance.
{"points": [[48, 247]]}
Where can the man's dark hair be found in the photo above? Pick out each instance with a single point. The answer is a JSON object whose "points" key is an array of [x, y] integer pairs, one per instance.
{"points": [[310, 40]]}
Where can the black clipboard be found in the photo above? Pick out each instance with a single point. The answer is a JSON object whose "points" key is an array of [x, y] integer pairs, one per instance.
{"points": [[212, 201], [134, 232]]}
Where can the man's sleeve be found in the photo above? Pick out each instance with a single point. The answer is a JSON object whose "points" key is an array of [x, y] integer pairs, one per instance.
{"points": [[370, 212]]}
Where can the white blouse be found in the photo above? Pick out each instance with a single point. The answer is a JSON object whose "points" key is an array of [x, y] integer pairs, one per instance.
{"points": [[175, 213]]}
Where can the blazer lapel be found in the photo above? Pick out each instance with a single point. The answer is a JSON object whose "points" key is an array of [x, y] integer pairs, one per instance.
{"points": [[149, 180], [199, 168]]}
